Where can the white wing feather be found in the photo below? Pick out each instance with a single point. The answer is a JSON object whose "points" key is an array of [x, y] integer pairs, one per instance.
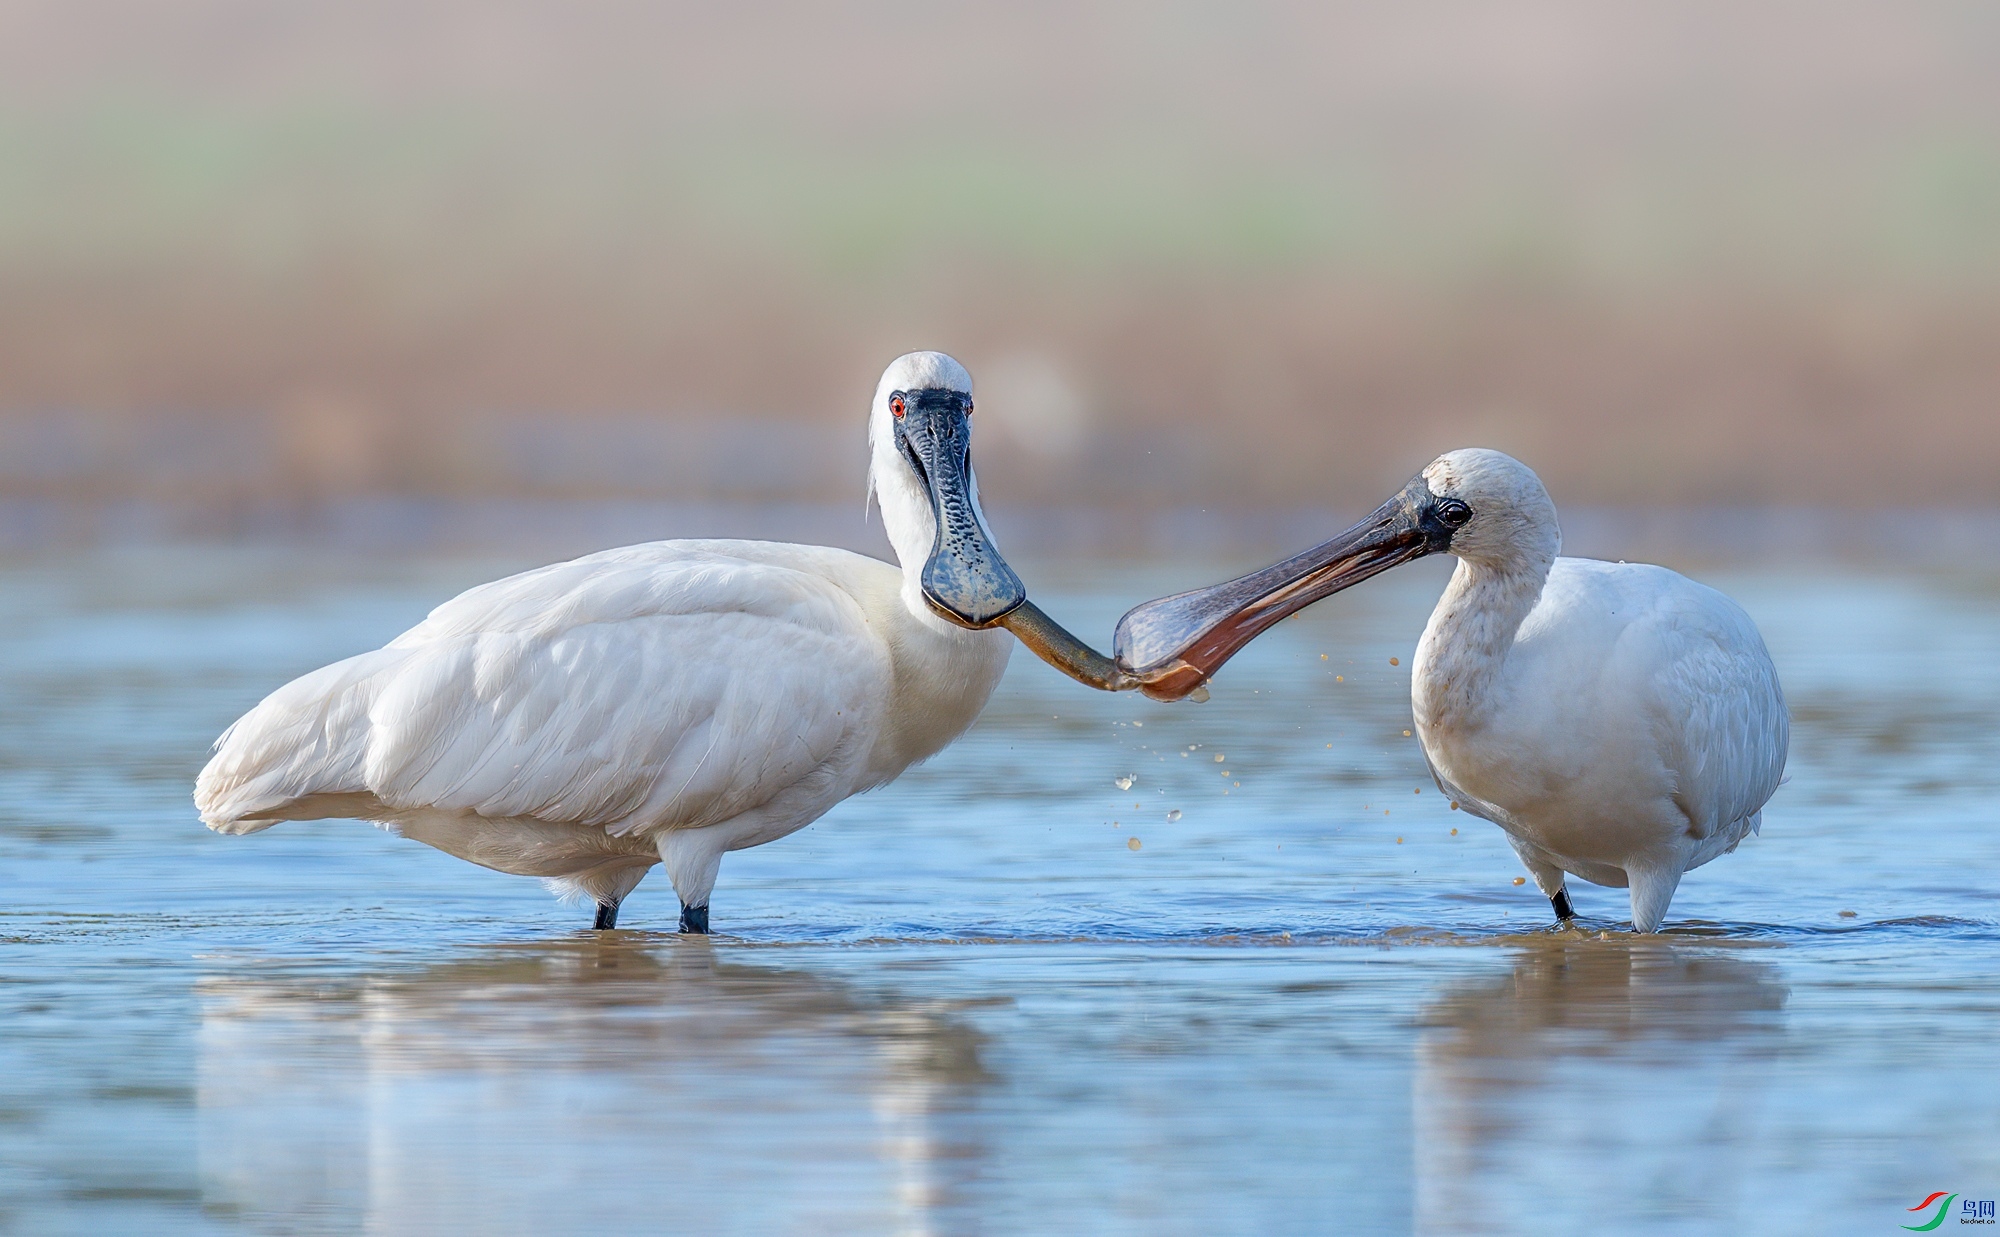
{"points": [[662, 686], [1729, 733]]}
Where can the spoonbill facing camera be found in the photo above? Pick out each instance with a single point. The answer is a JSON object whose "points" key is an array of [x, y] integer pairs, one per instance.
{"points": [[1619, 721], [669, 702]]}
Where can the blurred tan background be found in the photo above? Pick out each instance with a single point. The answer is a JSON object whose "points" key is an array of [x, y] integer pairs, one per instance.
{"points": [[1234, 255]]}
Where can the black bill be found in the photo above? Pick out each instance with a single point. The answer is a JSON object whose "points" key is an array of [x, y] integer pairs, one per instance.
{"points": [[1173, 645], [965, 580]]}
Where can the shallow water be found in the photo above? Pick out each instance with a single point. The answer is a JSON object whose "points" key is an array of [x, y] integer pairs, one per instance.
{"points": [[966, 1003]]}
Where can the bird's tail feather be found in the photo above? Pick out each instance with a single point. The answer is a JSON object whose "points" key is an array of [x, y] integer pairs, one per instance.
{"points": [[307, 739]]}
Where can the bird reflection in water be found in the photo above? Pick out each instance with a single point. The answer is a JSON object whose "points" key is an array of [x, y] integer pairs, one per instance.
{"points": [[1617, 1081], [585, 1085]]}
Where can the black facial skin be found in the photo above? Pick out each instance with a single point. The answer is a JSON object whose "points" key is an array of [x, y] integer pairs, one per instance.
{"points": [[965, 580], [1173, 645]]}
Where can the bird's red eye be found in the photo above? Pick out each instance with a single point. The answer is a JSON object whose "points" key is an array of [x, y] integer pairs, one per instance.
{"points": [[896, 404], [968, 408]]}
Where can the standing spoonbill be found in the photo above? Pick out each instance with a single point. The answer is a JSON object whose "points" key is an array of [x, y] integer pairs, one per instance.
{"points": [[670, 702], [1619, 721]]}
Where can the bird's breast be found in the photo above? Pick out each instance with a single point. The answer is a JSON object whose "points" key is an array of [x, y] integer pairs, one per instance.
{"points": [[938, 686]]}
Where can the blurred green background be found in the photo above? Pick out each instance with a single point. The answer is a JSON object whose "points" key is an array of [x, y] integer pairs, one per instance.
{"points": [[260, 255]]}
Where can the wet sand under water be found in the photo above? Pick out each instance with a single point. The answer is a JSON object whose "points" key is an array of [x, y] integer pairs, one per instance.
{"points": [[965, 1003]]}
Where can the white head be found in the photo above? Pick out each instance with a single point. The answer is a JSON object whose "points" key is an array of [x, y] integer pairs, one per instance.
{"points": [[1509, 520], [905, 499], [920, 470]]}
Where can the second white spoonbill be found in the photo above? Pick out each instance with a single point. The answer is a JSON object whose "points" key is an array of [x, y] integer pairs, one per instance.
{"points": [[671, 702], [1619, 721]]}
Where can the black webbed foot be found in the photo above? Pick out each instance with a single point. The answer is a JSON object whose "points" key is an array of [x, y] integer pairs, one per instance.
{"points": [[1564, 911], [607, 916], [694, 920]]}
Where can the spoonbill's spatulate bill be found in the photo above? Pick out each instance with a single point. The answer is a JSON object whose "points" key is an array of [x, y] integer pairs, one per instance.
{"points": [[666, 703], [1619, 721]]}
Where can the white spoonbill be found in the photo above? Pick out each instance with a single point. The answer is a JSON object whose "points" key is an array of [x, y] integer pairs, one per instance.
{"points": [[1619, 721], [665, 703]]}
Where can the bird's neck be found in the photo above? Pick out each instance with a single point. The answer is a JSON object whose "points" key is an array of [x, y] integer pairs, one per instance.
{"points": [[1461, 662], [943, 673], [912, 527]]}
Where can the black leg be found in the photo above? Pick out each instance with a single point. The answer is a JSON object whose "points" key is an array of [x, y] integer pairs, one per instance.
{"points": [[694, 920], [1564, 911], [607, 916]]}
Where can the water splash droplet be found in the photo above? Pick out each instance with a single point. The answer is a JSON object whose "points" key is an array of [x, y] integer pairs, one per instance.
{"points": [[1131, 843], [1199, 695], [1125, 783], [1173, 816]]}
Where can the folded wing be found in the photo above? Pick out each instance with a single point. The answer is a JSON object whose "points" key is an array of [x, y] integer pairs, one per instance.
{"points": [[1723, 708], [663, 686]]}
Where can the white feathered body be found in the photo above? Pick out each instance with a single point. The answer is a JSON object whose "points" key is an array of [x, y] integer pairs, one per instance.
{"points": [[1620, 721], [580, 722]]}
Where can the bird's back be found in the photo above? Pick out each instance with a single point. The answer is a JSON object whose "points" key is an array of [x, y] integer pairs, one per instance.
{"points": [[667, 685]]}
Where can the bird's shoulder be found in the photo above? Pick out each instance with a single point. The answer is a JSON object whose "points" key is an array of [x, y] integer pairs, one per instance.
{"points": [[1614, 584], [1668, 638], [812, 586], [1643, 603]]}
